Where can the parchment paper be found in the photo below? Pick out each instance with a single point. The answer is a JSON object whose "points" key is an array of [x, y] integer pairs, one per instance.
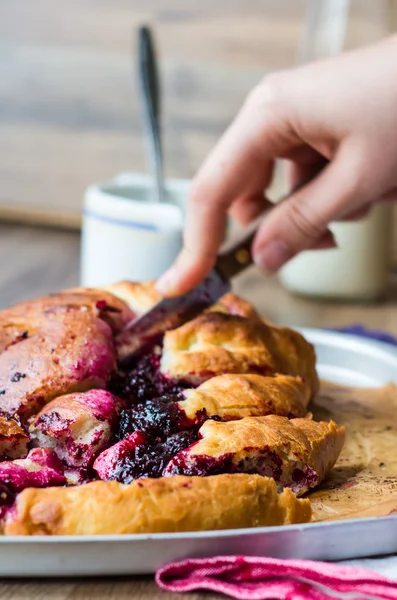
{"points": [[363, 482]]}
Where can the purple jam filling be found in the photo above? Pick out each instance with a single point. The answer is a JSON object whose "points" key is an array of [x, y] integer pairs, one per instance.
{"points": [[277, 463], [159, 418], [200, 465], [16, 476], [145, 381], [53, 422], [303, 479], [150, 458]]}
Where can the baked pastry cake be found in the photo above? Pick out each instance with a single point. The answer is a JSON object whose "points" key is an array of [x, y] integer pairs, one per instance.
{"points": [[156, 505], [206, 430]]}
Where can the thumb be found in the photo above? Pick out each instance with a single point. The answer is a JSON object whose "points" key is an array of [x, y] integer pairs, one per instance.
{"points": [[301, 221]]}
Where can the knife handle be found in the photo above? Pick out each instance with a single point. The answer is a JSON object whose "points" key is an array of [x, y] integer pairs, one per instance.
{"points": [[236, 255]]}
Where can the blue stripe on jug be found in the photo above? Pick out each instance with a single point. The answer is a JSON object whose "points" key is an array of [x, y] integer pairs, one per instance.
{"points": [[113, 221]]}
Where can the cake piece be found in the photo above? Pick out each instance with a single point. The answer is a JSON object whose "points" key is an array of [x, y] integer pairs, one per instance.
{"points": [[64, 351], [297, 453], [156, 505], [77, 426], [228, 397], [216, 343]]}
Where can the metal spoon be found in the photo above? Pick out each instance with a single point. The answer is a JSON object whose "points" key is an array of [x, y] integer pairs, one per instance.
{"points": [[150, 95]]}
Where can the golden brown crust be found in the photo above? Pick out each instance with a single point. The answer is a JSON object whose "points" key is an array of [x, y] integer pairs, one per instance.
{"points": [[237, 396], [156, 505], [216, 343], [270, 445], [140, 297], [326, 441], [99, 303], [234, 305], [64, 351], [295, 355], [13, 439]]}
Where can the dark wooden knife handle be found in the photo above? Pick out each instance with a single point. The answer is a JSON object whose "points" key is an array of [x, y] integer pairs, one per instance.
{"points": [[236, 255]]}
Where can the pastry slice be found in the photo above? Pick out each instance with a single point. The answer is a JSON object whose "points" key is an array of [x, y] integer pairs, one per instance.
{"points": [[216, 343], [228, 397], [297, 453], [63, 351], [176, 504], [99, 303], [140, 297], [77, 426]]}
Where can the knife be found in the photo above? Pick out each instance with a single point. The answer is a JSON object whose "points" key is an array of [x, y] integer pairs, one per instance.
{"points": [[147, 330]]}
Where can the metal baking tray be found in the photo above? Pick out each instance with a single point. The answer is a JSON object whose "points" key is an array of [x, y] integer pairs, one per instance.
{"points": [[344, 359]]}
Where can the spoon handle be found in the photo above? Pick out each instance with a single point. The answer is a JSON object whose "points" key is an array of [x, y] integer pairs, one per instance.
{"points": [[150, 92]]}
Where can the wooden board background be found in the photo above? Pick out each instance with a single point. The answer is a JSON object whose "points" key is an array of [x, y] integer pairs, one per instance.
{"points": [[69, 111]]}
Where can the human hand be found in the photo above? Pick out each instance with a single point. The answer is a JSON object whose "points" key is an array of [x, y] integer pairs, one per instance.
{"points": [[335, 123]]}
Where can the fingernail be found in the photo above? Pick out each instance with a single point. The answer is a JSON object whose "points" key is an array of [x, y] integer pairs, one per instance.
{"points": [[273, 256], [167, 282]]}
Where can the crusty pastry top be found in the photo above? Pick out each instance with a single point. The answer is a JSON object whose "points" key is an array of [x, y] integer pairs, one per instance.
{"points": [[269, 445], [156, 505], [140, 297], [233, 305], [62, 352], [98, 303], [217, 343], [233, 396]]}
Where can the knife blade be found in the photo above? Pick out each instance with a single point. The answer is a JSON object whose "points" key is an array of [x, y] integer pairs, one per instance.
{"points": [[147, 330]]}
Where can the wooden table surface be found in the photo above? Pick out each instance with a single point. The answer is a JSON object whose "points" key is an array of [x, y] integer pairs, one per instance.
{"points": [[35, 262]]}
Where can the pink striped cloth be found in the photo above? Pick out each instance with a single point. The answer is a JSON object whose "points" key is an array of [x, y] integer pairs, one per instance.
{"points": [[256, 578]]}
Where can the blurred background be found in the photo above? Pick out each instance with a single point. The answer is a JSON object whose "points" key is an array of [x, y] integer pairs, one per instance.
{"points": [[70, 113], [69, 110]]}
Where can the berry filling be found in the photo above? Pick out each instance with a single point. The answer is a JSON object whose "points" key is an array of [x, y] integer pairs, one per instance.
{"points": [[145, 381], [263, 461], [40, 468], [158, 418], [201, 466], [140, 455]]}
